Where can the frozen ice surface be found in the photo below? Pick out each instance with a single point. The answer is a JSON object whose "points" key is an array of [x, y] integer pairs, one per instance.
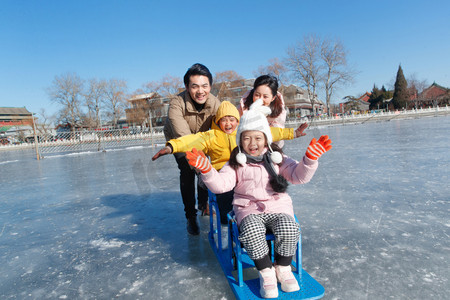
{"points": [[375, 221]]}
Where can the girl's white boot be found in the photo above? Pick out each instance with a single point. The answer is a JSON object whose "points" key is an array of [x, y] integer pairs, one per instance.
{"points": [[287, 279], [268, 283]]}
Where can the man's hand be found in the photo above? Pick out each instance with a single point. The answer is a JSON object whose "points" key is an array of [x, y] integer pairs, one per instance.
{"points": [[317, 148], [299, 131], [164, 151], [198, 160]]}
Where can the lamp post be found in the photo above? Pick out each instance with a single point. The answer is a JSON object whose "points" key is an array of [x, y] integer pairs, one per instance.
{"points": [[151, 126], [36, 146]]}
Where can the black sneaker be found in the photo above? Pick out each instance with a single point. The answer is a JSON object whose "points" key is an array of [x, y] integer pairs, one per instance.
{"points": [[192, 226]]}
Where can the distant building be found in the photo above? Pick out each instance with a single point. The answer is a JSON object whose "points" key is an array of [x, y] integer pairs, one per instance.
{"points": [[15, 116], [296, 99], [152, 105], [360, 104], [67, 127], [15, 123], [145, 108], [365, 97], [299, 103], [434, 95], [232, 90]]}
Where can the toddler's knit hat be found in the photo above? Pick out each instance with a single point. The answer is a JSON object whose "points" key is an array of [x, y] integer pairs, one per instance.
{"points": [[256, 119]]}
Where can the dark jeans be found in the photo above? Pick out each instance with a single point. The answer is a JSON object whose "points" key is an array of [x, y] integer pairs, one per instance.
{"points": [[224, 201], [187, 187]]}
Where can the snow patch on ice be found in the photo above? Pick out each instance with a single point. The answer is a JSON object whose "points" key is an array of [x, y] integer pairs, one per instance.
{"points": [[137, 260], [8, 161], [102, 244], [80, 267], [72, 154], [126, 254], [27, 272]]}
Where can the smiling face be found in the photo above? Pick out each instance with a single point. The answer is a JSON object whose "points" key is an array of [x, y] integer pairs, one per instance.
{"points": [[228, 124], [253, 142], [264, 92], [199, 88]]}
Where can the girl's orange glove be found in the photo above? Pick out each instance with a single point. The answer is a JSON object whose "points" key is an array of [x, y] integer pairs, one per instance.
{"points": [[317, 148], [198, 160]]}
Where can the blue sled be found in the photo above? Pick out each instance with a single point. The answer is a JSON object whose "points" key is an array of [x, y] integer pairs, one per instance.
{"points": [[234, 261]]}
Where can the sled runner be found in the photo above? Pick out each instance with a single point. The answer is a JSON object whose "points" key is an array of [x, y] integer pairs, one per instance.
{"points": [[238, 267]]}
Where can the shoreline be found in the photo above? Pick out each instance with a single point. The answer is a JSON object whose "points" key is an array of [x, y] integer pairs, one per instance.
{"points": [[323, 122], [367, 118]]}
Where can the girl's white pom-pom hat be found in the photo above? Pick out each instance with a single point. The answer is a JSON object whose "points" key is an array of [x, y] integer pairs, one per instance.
{"points": [[256, 119]]}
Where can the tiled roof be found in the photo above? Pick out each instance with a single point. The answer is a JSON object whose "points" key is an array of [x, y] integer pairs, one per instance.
{"points": [[14, 111]]}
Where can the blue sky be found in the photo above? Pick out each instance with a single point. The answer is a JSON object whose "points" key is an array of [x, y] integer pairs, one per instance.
{"points": [[141, 41]]}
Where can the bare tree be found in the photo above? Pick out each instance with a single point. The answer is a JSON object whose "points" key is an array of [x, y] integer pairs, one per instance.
{"points": [[115, 103], [43, 124], [351, 104], [95, 95], [224, 82], [227, 76], [67, 90], [164, 90], [138, 113], [149, 87], [336, 71], [415, 88], [275, 68], [169, 86], [303, 61]]}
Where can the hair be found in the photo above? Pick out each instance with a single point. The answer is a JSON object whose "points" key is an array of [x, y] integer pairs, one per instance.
{"points": [[271, 81], [233, 162], [197, 69]]}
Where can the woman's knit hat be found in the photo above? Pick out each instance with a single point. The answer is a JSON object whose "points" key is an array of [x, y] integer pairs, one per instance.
{"points": [[256, 119]]}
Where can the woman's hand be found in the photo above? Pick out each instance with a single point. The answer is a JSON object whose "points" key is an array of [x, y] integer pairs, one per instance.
{"points": [[164, 151], [299, 131]]}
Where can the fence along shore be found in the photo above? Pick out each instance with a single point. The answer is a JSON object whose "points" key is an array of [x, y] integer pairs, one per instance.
{"points": [[102, 140]]}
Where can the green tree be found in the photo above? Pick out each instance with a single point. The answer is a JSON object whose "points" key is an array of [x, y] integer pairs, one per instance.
{"points": [[378, 96], [375, 97], [386, 94], [401, 94]]}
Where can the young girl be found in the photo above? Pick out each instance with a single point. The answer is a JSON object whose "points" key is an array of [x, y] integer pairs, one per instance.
{"points": [[266, 87], [259, 177]]}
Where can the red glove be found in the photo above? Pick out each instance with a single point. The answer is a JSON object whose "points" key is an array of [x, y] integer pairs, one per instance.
{"points": [[198, 160], [317, 148]]}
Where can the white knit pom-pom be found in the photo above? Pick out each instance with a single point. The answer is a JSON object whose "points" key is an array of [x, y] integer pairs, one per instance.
{"points": [[276, 157], [258, 105], [241, 158]]}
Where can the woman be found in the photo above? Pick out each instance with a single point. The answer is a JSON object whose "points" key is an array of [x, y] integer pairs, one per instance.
{"points": [[266, 88]]}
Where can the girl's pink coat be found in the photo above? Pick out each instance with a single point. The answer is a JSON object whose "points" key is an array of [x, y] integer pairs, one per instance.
{"points": [[252, 191]]}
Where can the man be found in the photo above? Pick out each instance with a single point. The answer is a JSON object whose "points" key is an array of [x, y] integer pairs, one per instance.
{"points": [[191, 111]]}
